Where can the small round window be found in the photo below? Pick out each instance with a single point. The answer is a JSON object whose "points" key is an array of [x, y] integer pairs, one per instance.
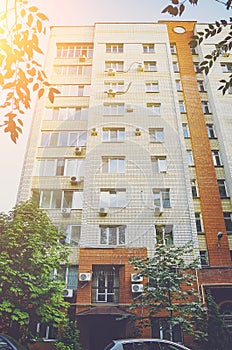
{"points": [[179, 30]]}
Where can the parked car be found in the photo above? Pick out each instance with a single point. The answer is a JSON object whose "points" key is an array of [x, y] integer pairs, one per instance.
{"points": [[144, 344], [8, 343]]}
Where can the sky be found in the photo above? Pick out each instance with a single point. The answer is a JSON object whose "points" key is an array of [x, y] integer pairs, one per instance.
{"points": [[87, 12]]}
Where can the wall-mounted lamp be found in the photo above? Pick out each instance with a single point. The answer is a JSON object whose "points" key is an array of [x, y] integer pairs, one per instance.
{"points": [[219, 236]]}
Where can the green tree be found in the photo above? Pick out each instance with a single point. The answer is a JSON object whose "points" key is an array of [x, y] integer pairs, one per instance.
{"points": [[21, 28], [68, 338], [171, 288], [30, 253]]}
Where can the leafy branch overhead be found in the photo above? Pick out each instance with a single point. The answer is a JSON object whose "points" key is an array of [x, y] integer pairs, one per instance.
{"points": [[21, 73], [221, 49], [177, 7]]}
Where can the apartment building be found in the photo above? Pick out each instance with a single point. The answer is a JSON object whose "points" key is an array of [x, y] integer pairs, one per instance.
{"points": [[136, 148]]}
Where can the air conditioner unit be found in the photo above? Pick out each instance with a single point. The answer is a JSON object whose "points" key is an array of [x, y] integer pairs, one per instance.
{"points": [[85, 276], [135, 277], [82, 58], [129, 108], [137, 288], [78, 151], [68, 293], [111, 72], [94, 132], [158, 210], [111, 93], [226, 54], [137, 132], [66, 212], [140, 67], [103, 211]]}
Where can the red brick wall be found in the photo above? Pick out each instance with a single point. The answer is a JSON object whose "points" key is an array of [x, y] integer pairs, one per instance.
{"points": [[211, 208]]}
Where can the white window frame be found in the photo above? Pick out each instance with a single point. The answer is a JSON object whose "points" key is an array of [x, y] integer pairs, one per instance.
{"points": [[154, 109], [113, 198], [74, 167], [70, 234], [74, 50], [211, 131], [176, 68], [79, 137], [186, 132], [179, 85], [201, 85], [156, 135], [117, 86], [66, 113], [190, 158], [148, 48], [113, 230], [152, 86], [117, 65], [222, 185], [76, 199], [114, 48], [217, 161], [150, 66], [165, 233], [226, 67], [205, 107], [161, 197], [182, 107], [159, 164], [113, 165], [113, 109], [113, 135], [173, 48]]}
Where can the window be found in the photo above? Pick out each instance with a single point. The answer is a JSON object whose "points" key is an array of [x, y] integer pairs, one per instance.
{"points": [[162, 329], [74, 50], [113, 135], [210, 131], [112, 235], [178, 85], [182, 107], [57, 199], [66, 113], [159, 164], [222, 188], [190, 158], [161, 198], [113, 165], [152, 87], [150, 66], [156, 135], [164, 234], [74, 167], [185, 130], [153, 109], [148, 48], [196, 67], [175, 67], [204, 258], [173, 49], [117, 65], [216, 158], [114, 48], [201, 85], [226, 67], [105, 284], [54, 139], [74, 90], [44, 331], [114, 109], [50, 167], [115, 85], [194, 189], [82, 70], [73, 233], [198, 221], [113, 198], [193, 51], [205, 107], [69, 275], [228, 222]]}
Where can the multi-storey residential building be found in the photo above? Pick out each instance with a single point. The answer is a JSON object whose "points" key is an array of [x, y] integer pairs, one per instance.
{"points": [[136, 145]]}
